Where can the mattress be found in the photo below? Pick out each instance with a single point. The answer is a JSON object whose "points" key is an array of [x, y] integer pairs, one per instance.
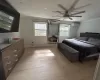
{"points": [[81, 46]]}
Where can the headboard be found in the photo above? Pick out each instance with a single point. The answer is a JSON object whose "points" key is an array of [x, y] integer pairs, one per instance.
{"points": [[90, 34]]}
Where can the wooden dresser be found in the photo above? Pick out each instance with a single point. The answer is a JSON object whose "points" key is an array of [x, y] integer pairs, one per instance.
{"points": [[10, 55]]}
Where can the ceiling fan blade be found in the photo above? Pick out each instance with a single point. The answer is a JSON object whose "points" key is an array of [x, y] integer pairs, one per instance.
{"points": [[57, 16], [75, 16], [70, 18], [78, 13], [73, 5], [54, 20], [62, 7], [58, 12], [82, 6], [49, 21], [58, 19]]}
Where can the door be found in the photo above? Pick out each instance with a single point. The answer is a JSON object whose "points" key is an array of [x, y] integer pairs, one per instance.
{"points": [[40, 33]]}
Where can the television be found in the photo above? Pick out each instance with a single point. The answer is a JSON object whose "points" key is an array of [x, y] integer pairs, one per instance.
{"points": [[9, 19]]}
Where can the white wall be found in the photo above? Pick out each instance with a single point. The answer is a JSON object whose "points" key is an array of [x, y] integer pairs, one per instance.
{"points": [[90, 26], [26, 30]]}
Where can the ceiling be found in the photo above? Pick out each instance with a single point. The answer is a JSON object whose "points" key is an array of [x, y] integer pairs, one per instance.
{"points": [[44, 8]]}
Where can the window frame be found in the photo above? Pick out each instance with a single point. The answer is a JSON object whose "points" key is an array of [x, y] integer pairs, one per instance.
{"points": [[40, 29], [68, 31]]}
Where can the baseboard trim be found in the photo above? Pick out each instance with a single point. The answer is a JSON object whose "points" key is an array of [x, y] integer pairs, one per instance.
{"points": [[40, 45]]}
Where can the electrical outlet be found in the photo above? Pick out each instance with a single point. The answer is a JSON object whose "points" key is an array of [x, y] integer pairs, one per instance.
{"points": [[32, 43]]}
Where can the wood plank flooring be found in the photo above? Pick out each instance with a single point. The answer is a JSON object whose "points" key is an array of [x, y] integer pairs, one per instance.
{"points": [[50, 64]]}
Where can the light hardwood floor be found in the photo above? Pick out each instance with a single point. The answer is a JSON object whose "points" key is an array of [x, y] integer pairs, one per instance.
{"points": [[50, 64]]}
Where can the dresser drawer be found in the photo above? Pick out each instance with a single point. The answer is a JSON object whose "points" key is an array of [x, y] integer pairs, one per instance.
{"points": [[8, 61], [19, 46], [11, 55], [9, 58]]}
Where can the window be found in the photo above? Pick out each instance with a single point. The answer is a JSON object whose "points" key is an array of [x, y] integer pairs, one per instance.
{"points": [[64, 29], [40, 29]]}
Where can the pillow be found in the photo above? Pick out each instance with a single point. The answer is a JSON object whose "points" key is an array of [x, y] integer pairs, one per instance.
{"points": [[83, 38], [94, 41], [1, 40]]}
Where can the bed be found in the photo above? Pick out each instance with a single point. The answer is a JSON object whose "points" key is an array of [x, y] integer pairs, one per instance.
{"points": [[87, 44], [80, 45]]}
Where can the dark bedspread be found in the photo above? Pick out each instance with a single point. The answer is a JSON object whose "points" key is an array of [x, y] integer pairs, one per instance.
{"points": [[81, 46]]}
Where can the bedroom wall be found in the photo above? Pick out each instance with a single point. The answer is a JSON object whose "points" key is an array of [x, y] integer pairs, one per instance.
{"points": [[27, 32], [90, 26]]}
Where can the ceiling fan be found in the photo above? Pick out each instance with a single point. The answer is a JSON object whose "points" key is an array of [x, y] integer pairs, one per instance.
{"points": [[68, 12]]}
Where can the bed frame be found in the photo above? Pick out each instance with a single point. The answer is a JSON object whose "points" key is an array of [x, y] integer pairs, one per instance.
{"points": [[90, 34], [71, 53]]}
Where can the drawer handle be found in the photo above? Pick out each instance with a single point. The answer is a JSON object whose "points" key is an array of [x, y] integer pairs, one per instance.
{"points": [[16, 60], [8, 57], [9, 69], [8, 63], [16, 55], [15, 51]]}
